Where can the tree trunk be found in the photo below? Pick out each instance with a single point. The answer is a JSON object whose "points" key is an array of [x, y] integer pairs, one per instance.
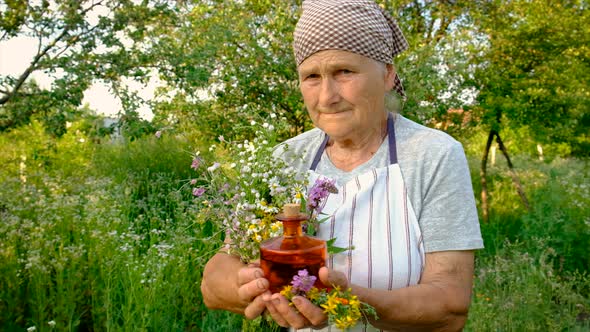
{"points": [[483, 176], [515, 178]]}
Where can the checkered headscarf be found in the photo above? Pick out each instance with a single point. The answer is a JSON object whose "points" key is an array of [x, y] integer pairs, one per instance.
{"points": [[357, 26]]}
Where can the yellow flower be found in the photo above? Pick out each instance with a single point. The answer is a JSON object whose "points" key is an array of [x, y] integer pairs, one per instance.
{"points": [[275, 227], [313, 294], [330, 306], [346, 322], [354, 302], [286, 292]]}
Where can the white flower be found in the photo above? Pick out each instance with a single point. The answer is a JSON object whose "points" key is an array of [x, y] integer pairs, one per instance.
{"points": [[51, 323], [272, 115], [31, 329], [271, 128], [265, 125], [213, 167], [252, 123], [232, 165]]}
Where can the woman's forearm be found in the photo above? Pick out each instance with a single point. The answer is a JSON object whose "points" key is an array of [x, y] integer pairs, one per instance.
{"points": [[440, 302], [423, 307]]}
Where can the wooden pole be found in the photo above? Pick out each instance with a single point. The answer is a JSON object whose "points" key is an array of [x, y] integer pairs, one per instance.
{"points": [[483, 177], [515, 178]]}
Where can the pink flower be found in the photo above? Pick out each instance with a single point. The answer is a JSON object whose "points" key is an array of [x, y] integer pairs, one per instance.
{"points": [[321, 189], [198, 192], [303, 281], [196, 162], [158, 133], [193, 182]]}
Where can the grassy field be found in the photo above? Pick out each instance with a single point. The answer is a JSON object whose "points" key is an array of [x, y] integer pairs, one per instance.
{"points": [[104, 236]]}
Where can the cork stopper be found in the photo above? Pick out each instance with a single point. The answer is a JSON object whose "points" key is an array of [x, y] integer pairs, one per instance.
{"points": [[291, 210]]}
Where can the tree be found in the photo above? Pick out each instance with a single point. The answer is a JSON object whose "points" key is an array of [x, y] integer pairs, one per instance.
{"points": [[78, 42], [239, 53], [532, 71]]}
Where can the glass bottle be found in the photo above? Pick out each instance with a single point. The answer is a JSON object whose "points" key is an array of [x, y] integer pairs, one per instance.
{"points": [[283, 257]]}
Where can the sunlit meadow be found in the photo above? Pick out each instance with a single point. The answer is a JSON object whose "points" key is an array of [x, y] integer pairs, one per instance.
{"points": [[106, 236]]}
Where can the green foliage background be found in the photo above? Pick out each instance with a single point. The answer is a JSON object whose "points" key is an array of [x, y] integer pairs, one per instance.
{"points": [[98, 228]]}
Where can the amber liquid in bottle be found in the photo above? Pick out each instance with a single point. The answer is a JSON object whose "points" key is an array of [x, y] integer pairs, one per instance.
{"points": [[283, 257]]}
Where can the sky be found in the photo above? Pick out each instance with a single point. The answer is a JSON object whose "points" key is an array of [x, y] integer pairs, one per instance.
{"points": [[17, 53]]}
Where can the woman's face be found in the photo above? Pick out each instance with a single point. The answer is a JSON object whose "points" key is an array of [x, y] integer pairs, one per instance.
{"points": [[345, 93]]}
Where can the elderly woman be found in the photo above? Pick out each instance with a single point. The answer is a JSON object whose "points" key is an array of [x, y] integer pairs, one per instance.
{"points": [[405, 199]]}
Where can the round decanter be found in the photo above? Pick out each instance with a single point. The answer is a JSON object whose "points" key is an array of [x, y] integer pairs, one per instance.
{"points": [[283, 257]]}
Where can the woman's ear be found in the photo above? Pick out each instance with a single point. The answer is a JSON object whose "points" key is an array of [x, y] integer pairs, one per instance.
{"points": [[389, 76]]}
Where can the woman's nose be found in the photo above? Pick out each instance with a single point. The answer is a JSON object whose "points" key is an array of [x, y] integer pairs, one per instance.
{"points": [[329, 92]]}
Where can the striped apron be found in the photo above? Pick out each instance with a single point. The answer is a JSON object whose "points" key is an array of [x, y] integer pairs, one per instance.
{"points": [[373, 214]]}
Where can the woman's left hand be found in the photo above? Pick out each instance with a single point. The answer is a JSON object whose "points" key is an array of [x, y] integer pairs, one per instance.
{"points": [[303, 313], [300, 315]]}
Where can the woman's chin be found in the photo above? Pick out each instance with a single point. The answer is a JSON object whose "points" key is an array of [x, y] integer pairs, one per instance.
{"points": [[338, 131]]}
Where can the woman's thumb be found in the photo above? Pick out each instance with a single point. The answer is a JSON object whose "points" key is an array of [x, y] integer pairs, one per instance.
{"points": [[331, 278]]}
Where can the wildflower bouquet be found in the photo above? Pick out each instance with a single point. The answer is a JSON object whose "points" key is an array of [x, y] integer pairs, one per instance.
{"points": [[245, 188], [342, 308]]}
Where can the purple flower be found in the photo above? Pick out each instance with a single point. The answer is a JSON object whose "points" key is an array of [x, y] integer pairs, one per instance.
{"points": [[224, 188], [158, 134], [196, 162], [198, 191], [320, 190], [303, 281]]}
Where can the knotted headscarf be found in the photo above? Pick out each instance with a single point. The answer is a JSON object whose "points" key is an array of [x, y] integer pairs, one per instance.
{"points": [[357, 26]]}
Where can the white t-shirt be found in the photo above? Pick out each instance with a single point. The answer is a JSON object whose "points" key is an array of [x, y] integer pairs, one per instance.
{"points": [[435, 172]]}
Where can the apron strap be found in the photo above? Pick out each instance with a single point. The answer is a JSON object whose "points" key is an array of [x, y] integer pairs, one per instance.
{"points": [[318, 155], [390, 137]]}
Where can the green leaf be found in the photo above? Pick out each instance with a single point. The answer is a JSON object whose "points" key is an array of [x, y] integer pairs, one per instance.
{"points": [[332, 249]]}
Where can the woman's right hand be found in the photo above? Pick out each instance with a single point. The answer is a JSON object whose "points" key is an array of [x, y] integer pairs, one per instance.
{"points": [[251, 287], [229, 284]]}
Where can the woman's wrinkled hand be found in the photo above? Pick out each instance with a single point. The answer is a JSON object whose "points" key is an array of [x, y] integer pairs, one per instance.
{"points": [[251, 287], [302, 313]]}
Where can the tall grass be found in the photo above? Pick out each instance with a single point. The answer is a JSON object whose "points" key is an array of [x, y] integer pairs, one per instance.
{"points": [[107, 241], [533, 273], [106, 237]]}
